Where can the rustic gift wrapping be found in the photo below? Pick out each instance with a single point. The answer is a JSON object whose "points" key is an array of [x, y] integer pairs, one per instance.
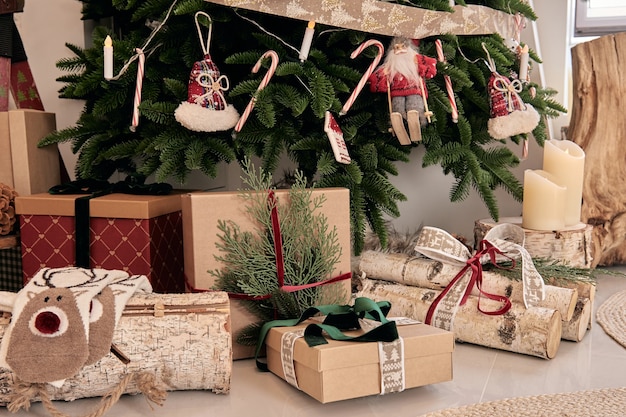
{"points": [[24, 166], [182, 339], [139, 234], [203, 210], [342, 370]]}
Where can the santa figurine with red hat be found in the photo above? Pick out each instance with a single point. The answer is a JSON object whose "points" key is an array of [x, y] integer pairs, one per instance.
{"points": [[402, 76]]}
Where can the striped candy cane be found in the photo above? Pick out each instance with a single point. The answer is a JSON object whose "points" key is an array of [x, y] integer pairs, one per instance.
{"points": [[441, 58], [370, 69], [138, 85], [264, 82]]}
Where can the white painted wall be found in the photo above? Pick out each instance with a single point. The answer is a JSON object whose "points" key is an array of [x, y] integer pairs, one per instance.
{"points": [[46, 25]]}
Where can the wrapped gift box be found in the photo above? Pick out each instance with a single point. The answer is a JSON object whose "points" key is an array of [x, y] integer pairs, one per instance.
{"points": [[342, 370], [24, 166], [201, 212], [140, 234]]}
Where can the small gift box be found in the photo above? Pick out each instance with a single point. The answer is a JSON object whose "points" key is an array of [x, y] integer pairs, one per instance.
{"points": [[202, 211], [139, 234], [344, 369]]}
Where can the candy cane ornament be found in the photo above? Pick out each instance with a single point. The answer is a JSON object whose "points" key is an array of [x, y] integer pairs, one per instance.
{"points": [[370, 69], [264, 82], [442, 58], [138, 85]]}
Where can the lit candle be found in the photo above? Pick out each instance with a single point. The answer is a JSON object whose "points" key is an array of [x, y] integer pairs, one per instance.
{"points": [[108, 58], [543, 205], [306, 41], [523, 64], [566, 161]]}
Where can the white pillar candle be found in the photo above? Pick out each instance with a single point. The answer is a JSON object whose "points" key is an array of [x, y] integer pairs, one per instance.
{"points": [[307, 40], [543, 205], [108, 58], [566, 161]]}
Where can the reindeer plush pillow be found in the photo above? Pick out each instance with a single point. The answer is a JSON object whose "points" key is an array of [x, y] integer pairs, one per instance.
{"points": [[63, 319]]}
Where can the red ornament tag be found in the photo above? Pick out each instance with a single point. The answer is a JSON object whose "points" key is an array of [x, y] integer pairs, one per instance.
{"points": [[335, 135]]}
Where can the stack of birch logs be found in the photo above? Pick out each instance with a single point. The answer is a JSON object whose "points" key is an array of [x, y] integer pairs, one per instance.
{"points": [[412, 282]]}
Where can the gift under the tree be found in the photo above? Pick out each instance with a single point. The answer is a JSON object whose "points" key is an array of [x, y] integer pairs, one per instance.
{"points": [[171, 341], [140, 234], [340, 370], [23, 165], [202, 211]]}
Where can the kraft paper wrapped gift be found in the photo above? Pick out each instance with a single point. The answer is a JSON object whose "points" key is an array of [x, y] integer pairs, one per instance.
{"points": [[24, 166], [139, 234], [203, 210], [341, 370]]}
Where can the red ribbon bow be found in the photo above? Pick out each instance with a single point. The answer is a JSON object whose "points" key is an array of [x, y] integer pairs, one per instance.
{"points": [[485, 248]]}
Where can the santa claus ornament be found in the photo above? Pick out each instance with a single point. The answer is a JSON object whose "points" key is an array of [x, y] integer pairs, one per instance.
{"points": [[206, 109], [509, 114], [402, 76]]}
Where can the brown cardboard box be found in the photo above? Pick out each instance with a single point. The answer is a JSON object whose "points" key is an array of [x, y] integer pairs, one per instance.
{"points": [[343, 370], [201, 212], [140, 234], [24, 166]]}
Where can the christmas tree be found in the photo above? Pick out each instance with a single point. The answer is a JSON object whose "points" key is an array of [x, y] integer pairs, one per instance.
{"points": [[289, 112]]}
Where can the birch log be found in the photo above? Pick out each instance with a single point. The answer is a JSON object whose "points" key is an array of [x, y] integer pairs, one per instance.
{"points": [[428, 273], [575, 329], [598, 126], [571, 246], [183, 339], [535, 331]]}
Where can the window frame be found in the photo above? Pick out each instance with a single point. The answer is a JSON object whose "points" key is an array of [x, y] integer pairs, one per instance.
{"points": [[589, 25]]}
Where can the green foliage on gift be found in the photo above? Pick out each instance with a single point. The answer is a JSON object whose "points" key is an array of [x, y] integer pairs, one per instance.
{"points": [[289, 114], [310, 249]]}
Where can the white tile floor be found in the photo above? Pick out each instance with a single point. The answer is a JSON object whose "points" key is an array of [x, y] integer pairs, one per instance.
{"points": [[480, 374]]}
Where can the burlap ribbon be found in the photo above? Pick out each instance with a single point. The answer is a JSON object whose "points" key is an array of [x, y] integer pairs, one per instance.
{"points": [[503, 241]]}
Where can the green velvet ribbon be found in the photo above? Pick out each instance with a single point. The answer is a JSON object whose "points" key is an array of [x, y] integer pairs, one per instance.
{"points": [[339, 318]]}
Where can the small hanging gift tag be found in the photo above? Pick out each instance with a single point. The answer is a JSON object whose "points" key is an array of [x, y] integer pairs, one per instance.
{"points": [[335, 136]]}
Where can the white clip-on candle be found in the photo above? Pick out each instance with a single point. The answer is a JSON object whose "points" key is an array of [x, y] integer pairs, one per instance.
{"points": [[108, 58], [307, 40]]}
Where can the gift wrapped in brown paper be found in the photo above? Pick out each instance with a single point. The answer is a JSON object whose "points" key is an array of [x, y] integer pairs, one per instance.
{"points": [[23, 165], [203, 210]]}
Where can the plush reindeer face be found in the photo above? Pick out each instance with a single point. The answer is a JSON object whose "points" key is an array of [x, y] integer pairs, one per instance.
{"points": [[44, 336]]}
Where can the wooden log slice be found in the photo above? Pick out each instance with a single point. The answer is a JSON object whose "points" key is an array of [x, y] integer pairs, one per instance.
{"points": [[576, 328], [571, 246]]}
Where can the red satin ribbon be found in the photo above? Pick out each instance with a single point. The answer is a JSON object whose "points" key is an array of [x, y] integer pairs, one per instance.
{"points": [[280, 262], [485, 248]]}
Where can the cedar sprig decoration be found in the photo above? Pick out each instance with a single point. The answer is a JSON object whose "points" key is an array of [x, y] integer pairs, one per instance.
{"points": [[310, 246]]}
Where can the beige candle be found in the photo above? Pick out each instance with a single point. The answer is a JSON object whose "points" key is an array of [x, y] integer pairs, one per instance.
{"points": [[566, 161], [543, 206]]}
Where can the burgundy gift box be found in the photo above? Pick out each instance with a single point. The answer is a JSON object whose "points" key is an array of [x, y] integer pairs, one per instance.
{"points": [[140, 234]]}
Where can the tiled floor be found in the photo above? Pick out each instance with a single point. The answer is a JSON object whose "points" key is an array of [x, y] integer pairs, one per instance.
{"points": [[480, 374]]}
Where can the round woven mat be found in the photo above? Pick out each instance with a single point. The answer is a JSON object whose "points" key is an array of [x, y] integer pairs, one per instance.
{"points": [[593, 403], [611, 316]]}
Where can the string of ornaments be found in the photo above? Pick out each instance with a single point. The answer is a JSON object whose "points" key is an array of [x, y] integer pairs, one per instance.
{"points": [[401, 77]]}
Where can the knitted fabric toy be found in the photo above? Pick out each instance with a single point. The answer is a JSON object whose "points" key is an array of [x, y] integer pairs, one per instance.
{"points": [[62, 319], [509, 114], [402, 77], [206, 109]]}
